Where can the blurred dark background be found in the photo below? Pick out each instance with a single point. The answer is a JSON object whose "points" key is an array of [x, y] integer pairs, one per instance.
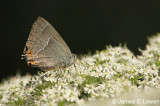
{"points": [[85, 25]]}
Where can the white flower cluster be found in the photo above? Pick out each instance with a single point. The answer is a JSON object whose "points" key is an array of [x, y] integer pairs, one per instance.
{"points": [[107, 74]]}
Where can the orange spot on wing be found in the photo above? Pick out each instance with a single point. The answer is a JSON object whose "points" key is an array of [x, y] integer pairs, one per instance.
{"points": [[31, 62], [29, 52]]}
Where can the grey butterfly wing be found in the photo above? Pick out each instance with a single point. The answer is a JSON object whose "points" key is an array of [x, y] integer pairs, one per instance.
{"points": [[46, 47]]}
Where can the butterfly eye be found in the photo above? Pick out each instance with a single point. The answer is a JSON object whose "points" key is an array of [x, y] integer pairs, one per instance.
{"points": [[30, 52]]}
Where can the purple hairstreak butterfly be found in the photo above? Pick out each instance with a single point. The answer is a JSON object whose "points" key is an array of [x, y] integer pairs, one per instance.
{"points": [[45, 48]]}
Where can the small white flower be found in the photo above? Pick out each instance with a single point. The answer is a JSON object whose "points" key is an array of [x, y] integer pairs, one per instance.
{"points": [[89, 89]]}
